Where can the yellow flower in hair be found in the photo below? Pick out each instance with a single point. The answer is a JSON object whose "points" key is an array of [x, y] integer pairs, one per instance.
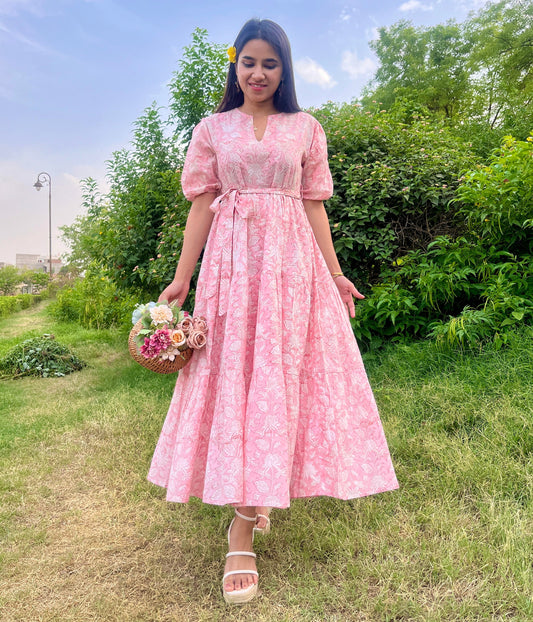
{"points": [[232, 54]]}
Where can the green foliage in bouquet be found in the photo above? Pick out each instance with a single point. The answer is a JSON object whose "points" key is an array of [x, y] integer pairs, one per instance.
{"points": [[40, 356]]}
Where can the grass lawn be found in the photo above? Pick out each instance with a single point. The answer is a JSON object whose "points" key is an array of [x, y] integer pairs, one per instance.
{"points": [[85, 537]]}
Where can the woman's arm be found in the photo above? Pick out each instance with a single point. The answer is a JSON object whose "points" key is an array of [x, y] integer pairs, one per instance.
{"points": [[318, 218], [194, 238]]}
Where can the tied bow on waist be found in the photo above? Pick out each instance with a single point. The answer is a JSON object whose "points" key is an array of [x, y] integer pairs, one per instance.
{"points": [[225, 207]]}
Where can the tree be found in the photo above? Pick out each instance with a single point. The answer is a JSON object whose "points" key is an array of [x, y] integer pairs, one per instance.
{"points": [[198, 85], [501, 61], [9, 280], [36, 279], [477, 73], [427, 65]]}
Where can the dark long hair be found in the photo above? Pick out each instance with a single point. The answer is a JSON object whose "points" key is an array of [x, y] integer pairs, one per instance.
{"points": [[267, 30]]}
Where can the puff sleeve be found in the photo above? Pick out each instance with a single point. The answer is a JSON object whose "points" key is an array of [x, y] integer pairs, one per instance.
{"points": [[317, 184], [200, 171]]}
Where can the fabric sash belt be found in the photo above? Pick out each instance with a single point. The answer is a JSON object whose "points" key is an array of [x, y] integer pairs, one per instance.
{"points": [[226, 206]]}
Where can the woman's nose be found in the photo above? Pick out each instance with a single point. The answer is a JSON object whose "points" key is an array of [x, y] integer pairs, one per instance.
{"points": [[258, 72]]}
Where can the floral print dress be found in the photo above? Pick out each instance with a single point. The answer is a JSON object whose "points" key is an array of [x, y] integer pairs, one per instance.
{"points": [[277, 405]]}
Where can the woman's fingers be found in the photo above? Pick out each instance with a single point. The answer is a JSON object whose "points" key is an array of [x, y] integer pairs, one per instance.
{"points": [[175, 292], [348, 292]]}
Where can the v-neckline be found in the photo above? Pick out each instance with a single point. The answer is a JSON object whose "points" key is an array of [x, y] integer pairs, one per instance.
{"points": [[251, 117]]}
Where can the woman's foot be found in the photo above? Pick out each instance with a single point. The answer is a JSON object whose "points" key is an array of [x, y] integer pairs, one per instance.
{"points": [[262, 523], [240, 538]]}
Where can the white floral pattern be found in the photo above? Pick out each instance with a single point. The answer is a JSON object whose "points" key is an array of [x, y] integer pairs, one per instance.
{"points": [[270, 409]]}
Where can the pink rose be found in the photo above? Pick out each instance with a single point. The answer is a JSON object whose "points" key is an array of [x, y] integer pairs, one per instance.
{"points": [[196, 339], [187, 325], [200, 324]]}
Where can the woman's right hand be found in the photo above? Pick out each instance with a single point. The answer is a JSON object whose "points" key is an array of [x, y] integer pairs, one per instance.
{"points": [[177, 291]]}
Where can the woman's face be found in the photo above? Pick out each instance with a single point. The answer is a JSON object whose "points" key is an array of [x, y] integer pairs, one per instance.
{"points": [[259, 71]]}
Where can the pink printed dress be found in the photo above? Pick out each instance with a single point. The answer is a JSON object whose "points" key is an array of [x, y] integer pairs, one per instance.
{"points": [[277, 405]]}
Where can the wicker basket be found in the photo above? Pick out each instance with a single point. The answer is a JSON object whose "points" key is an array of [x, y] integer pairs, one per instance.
{"points": [[157, 365]]}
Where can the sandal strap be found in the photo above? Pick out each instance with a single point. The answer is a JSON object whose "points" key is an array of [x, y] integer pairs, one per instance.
{"points": [[251, 519], [244, 553], [233, 572]]}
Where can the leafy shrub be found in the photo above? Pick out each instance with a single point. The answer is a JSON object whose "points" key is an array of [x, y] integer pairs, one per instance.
{"points": [[395, 173], [12, 304], [40, 356], [459, 293], [157, 273], [497, 199], [93, 302], [8, 305]]}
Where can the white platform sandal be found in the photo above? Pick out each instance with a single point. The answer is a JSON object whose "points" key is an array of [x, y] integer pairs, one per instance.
{"points": [[239, 597]]}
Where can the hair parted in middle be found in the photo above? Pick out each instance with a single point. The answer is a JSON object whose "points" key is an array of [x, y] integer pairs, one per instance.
{"points": [[266, 30]]}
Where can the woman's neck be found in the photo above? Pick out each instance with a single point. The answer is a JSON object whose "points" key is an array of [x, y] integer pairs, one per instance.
{"points": [[259, 109]]}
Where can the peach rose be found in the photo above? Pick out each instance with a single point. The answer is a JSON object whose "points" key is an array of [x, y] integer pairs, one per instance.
{"points": [[178, 338]]}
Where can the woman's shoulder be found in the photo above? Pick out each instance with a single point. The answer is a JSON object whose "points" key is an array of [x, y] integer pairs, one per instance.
{"points": [[216, 117], [212, 123]]}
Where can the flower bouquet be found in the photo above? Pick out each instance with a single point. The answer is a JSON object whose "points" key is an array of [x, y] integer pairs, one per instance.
{"points": [[164, 337]]}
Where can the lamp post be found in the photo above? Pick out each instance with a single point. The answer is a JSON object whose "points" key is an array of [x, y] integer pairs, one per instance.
{"points": [[45, 178]]}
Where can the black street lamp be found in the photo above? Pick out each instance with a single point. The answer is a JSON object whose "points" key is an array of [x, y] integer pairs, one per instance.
{"points": [[45, 178]]}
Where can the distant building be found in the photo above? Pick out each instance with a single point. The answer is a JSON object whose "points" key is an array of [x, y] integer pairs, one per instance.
{"points": [[38, 263]]}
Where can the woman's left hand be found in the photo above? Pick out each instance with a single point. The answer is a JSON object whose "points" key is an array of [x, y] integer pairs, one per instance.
{"points": [[348, 292]]}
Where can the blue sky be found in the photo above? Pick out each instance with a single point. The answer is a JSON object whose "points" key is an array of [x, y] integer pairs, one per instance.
{"points": [[75, 74]]}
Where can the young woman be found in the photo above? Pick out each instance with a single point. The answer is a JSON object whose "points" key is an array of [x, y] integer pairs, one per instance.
{"points": [[278, 405]]}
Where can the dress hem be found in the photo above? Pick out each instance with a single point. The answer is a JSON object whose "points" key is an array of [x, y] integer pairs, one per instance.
{"points": [[269, 503]]}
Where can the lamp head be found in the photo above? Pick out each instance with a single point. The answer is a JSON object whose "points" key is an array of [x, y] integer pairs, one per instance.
{"points": [[37, 185]]}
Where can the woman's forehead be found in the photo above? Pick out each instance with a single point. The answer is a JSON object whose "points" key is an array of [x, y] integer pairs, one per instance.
{"points": [[259, 49]]}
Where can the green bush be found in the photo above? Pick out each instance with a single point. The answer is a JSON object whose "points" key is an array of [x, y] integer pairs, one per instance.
{"points": [[94, 302], [8, 305], [459, 293], [395, 173], [40, 356], [12, 304], [25, 300], [497, 199]]}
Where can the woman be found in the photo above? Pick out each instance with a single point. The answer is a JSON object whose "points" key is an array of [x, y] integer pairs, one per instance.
{"points": [[277, 406]]}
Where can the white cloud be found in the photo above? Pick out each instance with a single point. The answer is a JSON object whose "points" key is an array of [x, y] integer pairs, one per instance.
{"points": [[310, 71], [347, 13], [345, 16], [355, 66], [414, 5]]}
